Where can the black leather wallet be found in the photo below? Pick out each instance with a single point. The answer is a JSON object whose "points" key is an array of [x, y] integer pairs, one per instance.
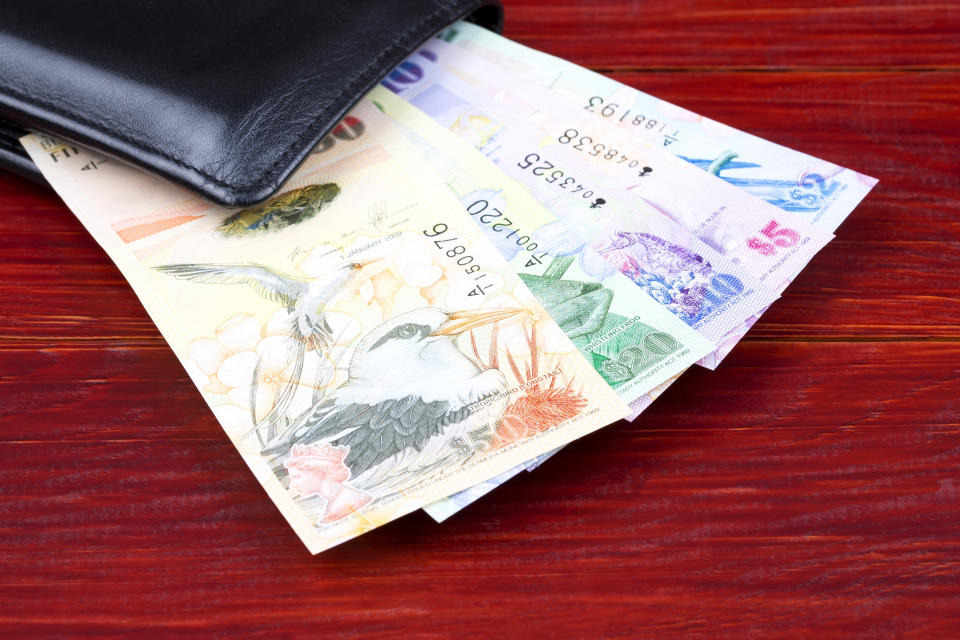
{"points": [[224, 97]]}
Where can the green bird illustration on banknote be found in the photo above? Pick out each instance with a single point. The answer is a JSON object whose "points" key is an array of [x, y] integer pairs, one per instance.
{"points": [[282, 211], [620, 348]]}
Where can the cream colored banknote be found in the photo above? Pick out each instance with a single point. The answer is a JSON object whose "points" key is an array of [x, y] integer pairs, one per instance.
{"points": [[362, 343]]}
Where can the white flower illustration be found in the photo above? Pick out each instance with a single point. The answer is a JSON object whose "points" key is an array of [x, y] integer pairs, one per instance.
{"points": [[235, 342], [250, 366]]}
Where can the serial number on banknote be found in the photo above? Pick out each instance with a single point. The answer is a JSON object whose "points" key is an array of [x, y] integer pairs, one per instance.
{"points": [[499, 223], [600, 150], [611, 110], [554, 177], [442, 239]]}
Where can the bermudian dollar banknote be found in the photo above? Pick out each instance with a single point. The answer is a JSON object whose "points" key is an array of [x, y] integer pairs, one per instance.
{"points": [[820, 191], [366, 348], [633, 342], [772, 244], [817, 190], [693, 280]]}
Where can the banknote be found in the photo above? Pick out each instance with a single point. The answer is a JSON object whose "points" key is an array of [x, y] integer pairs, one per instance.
{"points": [[821, 191], [693, 280], [633, 342], [772, 244], [446, 507], [792, 181], [452, 504], [766, 240], [363, 344]]}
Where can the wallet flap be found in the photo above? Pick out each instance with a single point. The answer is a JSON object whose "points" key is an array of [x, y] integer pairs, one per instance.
{"points": [[225, 97], [12, 154]]}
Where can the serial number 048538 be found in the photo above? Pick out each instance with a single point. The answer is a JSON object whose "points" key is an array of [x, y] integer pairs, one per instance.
{"points": [[600, 150]]}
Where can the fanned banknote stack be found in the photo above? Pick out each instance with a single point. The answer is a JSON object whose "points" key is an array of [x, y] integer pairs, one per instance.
{"points": [[496, 253]]}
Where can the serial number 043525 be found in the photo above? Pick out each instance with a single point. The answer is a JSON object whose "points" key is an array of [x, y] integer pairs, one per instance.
{"points": [[552, 175]]}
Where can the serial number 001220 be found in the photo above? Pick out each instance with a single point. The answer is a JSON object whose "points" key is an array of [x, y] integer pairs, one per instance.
{"points": [[452, 247], [501, 224]]}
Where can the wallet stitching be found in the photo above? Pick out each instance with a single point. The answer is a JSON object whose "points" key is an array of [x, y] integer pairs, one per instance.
{"points": [[269, 172]]}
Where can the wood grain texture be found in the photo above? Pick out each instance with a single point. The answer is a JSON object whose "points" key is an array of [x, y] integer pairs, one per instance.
{"points": [[810, 487], [773, 35]]}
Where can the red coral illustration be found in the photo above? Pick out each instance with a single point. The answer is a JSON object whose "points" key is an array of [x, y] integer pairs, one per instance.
{"points": [[535, 411], [539, 407]]}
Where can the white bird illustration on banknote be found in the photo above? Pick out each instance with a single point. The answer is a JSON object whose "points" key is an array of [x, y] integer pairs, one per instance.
{"points": [[306, 301], [411, 395]]}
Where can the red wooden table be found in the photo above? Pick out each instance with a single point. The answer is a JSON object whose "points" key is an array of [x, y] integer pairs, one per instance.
{"points": [[809, 487]]}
